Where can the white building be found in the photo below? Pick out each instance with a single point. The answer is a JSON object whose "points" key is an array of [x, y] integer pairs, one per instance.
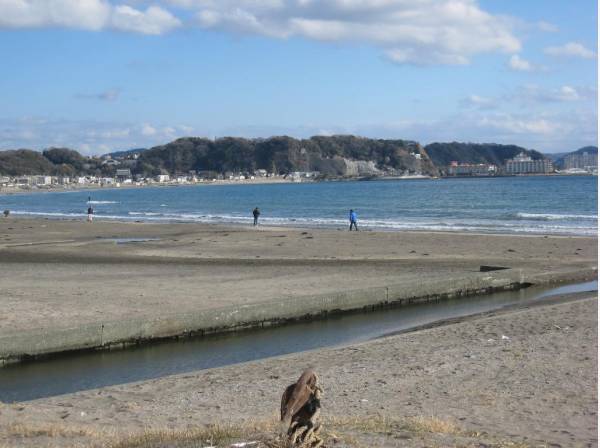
{"points": [[123, 174], [43, 180], [523, 164], [585, 160], [468, 169]]}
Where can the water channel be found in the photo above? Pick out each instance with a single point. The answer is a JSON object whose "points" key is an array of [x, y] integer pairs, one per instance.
{"points": [[88, 370]]}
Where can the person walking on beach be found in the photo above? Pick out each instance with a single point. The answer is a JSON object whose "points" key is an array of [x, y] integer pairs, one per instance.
{"points": [[353, 219], [256, 214], [90, 213]]}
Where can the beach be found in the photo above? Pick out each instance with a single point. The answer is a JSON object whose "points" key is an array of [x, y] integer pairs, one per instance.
{"points": [[524, 377], [95, 187], [58, 275]]}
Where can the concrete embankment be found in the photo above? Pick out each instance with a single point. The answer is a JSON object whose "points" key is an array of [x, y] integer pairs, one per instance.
{"points": [[119, 333]]}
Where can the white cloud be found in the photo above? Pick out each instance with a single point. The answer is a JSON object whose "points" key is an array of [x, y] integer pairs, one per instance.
{"points": [[566, 93], [545, 130], [90, 15], [115, 133], [85, 14], [519, 125], [88, 137], [408, 31], [517, 63], [148, 129], [571, 49], [419, 32], [154, 20]]}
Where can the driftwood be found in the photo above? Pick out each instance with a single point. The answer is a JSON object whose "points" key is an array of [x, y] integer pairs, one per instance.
{"points": [[300, 409]]}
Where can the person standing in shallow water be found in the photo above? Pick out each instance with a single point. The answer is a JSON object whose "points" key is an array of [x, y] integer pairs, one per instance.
{"points": [[353, 220], [256, 214], [90, 213]]}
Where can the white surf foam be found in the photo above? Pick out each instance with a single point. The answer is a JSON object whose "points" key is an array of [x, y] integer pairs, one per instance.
{"points": [[554, 216]]}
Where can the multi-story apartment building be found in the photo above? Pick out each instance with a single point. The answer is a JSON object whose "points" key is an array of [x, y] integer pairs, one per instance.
{"points": [[468, 169], [584, 160], [523, 164]]}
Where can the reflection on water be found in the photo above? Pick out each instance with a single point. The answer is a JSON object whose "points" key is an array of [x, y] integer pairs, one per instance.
{"points": [[28, 381]]}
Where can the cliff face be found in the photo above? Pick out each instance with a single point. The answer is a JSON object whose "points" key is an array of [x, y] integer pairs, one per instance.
{"points": [[332, 156]]}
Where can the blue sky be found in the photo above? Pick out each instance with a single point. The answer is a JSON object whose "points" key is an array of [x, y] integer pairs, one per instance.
{"points": [[100, 75]]}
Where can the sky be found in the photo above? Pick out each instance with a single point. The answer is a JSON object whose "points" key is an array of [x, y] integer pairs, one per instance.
{"points": [[105, 75]]}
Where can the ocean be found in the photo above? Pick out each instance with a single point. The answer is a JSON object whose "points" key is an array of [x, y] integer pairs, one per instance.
{"points": [[557, 205]]}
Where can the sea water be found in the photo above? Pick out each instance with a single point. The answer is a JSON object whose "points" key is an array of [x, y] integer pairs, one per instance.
{"points": [[535, 204]]}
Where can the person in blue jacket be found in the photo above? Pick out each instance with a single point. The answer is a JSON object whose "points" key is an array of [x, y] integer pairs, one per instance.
{"points": [[353, 220]]}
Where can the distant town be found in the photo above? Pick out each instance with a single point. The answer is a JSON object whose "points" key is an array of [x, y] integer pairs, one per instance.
{"points": [[573, 164], [235, 160]]}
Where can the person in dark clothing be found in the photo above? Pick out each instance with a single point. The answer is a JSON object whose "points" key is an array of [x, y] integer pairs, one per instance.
{"points": [[90, 213], [256, 214], [353, 219]]}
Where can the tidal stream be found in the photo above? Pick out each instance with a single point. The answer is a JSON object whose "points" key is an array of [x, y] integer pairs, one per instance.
{"points": [[88, 370]]}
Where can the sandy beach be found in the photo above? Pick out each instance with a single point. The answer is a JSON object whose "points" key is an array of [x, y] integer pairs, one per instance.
{"points": [[57, 273], [96, 187], [458, 384]]}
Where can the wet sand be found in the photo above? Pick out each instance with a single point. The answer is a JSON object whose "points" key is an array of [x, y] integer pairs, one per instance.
{"points": [[57, 274]]}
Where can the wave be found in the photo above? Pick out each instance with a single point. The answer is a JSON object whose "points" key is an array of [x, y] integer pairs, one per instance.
{"points": [[144, 213], [103, 202], [553, 217], [445, 225]]}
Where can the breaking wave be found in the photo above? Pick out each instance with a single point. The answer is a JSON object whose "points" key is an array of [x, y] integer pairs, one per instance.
{"points": [[553, 217]]}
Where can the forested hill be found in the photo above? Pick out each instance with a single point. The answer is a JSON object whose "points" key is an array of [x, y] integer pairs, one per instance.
{"points": [[53, 161], [335, 156], [442, 154], [343, 155]]}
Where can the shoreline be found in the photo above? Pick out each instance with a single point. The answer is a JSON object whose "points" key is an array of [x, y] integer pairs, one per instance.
{"points": [[262, 181], [233, 224], [92, 187]]}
